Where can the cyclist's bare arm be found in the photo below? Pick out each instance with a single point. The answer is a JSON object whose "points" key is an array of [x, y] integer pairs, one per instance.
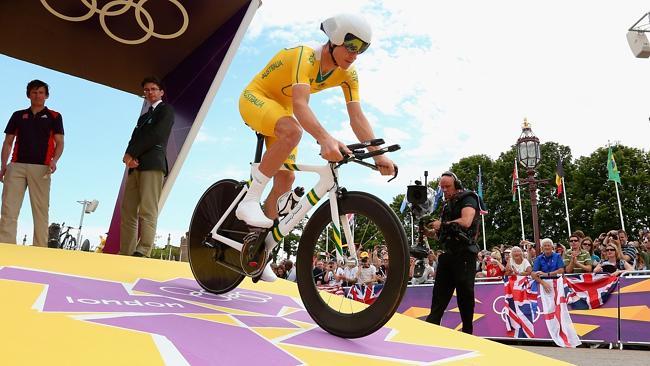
{"points": [[330, 148], [362, 129]]}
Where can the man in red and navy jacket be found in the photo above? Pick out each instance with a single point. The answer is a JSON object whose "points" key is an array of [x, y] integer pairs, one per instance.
{"points": [[35, 135]]}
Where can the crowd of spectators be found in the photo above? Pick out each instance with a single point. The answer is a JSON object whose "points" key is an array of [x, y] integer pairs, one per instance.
{"points": [[609, 252], [372, 269]]}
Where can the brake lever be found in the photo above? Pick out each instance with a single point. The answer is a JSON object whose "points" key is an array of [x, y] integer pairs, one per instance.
{"points": [[367, 165], [395, 175]]}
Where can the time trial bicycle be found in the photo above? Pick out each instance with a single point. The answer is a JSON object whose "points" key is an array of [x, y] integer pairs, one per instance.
{"points": [[223, 250]]}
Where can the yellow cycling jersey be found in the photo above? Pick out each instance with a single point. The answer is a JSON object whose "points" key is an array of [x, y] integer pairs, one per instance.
{"points": [[302, 65]]}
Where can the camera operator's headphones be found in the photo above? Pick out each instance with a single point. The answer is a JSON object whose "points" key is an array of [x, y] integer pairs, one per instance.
{"points": [[457, 183]]}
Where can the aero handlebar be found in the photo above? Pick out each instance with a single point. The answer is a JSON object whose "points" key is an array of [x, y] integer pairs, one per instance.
{"points": [[359, 153]]}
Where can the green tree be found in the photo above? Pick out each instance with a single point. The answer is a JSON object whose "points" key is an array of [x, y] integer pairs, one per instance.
{"points": [[163, 253], [466, 169], [591, 198], [502, 221], [595, 208], [551, 210]]}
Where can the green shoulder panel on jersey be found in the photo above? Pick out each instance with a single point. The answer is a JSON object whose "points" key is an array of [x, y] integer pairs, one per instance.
{"points": [[302, 48], [347, 89]]}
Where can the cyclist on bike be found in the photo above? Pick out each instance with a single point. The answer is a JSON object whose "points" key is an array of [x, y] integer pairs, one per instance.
{"points": [[275, 104]]}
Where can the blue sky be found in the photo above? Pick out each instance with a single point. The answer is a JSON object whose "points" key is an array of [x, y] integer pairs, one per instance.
{"points": [[445, 80]]}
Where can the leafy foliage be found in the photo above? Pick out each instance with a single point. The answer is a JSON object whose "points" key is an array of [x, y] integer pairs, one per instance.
{"points": [[591, 197]]}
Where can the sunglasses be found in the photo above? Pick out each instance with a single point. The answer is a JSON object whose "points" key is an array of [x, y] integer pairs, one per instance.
{"points": [[354, 44], [586, 244], [610, 250], [572, 240]]}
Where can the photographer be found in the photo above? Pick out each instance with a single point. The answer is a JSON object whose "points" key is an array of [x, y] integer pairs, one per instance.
{"points": [[333, 275], [382, 269], [456, 230], [367, 273], [629, 250]]}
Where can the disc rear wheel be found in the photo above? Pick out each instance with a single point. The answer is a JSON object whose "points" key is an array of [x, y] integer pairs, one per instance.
{"points": [[213, 204]]}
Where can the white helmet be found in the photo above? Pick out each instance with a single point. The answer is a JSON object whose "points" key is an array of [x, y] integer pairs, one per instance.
{"points": [[338, 26]]}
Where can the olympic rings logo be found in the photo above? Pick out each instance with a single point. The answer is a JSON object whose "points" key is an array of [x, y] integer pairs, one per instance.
{"points": [[230, 296], [146, 24], [504, 311]]}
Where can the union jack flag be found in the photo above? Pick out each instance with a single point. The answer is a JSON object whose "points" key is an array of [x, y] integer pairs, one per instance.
{"points": [[520, 308], [365, 294], [589, 290]]}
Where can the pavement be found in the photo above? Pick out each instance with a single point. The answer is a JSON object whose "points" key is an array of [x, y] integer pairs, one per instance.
{"points": [[590, 357]]}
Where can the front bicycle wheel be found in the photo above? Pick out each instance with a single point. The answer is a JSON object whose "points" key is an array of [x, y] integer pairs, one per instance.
{"points": [[338, 310], [213, 204]]}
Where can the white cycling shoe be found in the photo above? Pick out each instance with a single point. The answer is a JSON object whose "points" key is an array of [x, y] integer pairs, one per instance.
{"points": [[251, 213], [268, 275]]}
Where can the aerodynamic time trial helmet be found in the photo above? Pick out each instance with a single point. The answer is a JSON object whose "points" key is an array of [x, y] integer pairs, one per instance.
{"points": [[349, 30]]}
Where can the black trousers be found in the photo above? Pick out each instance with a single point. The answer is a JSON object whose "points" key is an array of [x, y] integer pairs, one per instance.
{"points": [[455, 271]]}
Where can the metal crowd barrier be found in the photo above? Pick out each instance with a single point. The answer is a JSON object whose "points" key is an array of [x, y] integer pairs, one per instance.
{"points": [[630, 327]]}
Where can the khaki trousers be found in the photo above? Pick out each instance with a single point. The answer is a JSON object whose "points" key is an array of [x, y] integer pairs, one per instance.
{"points": [[140, 201], [18, 177]]}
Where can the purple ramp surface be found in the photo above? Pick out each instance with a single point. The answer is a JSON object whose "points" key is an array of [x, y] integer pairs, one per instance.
{"points": [[374, 345], [265, 321], [238, 299], [204, 342], [78, 294]]}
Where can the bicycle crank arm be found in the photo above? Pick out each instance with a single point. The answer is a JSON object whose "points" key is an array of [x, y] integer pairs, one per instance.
{"points": [[231, 267]]}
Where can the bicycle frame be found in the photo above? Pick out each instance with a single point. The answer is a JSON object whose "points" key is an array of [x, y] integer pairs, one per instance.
{"points": [[327, 184]]}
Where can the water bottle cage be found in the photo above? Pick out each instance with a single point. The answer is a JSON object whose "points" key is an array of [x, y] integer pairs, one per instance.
{"points": [[289, 200]]}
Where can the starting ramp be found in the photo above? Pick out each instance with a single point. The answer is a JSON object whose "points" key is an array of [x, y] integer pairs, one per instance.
{"points": [[80, 308]]}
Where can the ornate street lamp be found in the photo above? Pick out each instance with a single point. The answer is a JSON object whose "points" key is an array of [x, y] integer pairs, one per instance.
{"points": [[529, 155]]}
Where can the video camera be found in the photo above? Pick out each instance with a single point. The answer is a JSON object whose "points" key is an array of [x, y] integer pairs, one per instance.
{"points": [[418, 271], [420, 199]]}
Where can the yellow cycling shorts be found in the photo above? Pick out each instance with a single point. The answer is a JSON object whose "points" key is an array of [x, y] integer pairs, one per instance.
{"points": [[262, 114]]}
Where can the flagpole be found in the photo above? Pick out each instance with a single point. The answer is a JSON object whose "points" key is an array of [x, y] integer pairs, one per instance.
{"points": [[480, 188], [327, 240], [566, 207], [521, 213], [620, 210], [483, 223], [613, 175]]}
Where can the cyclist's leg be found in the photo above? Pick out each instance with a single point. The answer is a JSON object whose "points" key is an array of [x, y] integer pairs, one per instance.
{"points": [[282, 182], [275, 121]]}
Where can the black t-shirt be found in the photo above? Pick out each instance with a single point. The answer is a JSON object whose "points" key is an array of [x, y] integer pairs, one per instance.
{"points": [[34, 133], [319, 276], [453, 208]]}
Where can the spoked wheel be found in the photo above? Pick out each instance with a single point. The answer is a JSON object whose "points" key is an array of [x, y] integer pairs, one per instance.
{"points": [[374, 224], [69, 243], [213, 204]]}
